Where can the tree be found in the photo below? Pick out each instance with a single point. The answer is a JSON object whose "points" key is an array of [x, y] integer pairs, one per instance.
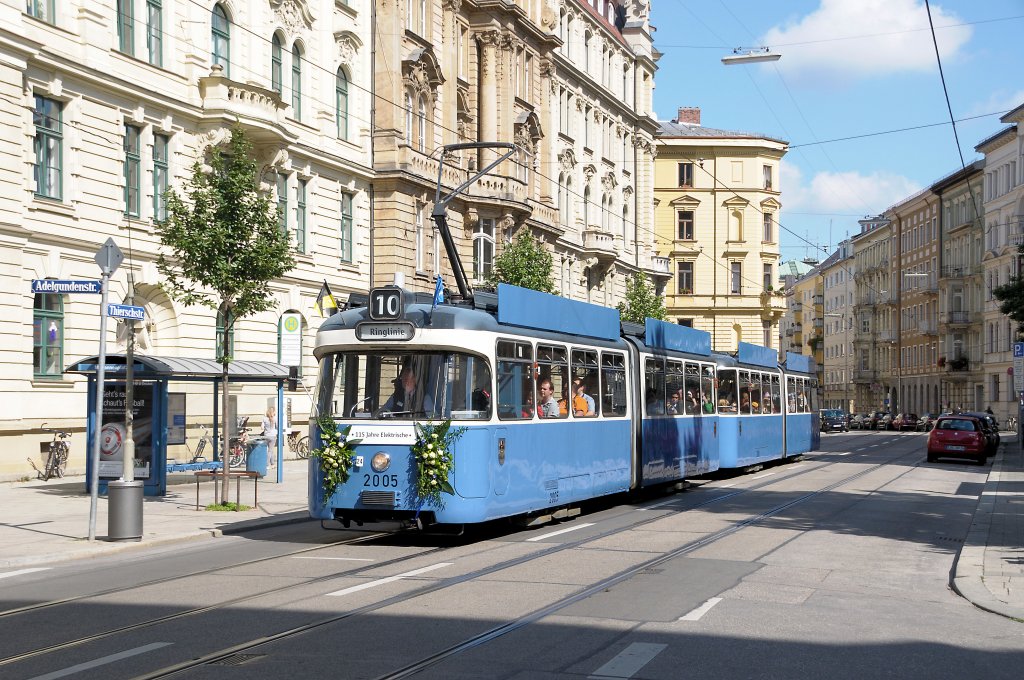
{"points": [[1011, 299], [641, 301], [524, 262], [223, 245]]}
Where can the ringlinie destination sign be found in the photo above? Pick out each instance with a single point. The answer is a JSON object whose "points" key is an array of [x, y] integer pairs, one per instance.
{"points": [[55, 286]]}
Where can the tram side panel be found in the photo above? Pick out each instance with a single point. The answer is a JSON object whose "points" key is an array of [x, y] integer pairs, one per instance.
{"points": [[677, 447]]}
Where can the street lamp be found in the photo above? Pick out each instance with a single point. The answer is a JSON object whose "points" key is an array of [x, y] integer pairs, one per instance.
{"points": [[747, 55]]}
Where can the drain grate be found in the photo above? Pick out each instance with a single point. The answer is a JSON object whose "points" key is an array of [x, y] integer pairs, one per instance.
{"points": [[236, 659], [951, 539]]}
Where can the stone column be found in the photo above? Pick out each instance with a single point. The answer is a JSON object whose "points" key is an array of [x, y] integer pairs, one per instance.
{"points": [[487, 93]]}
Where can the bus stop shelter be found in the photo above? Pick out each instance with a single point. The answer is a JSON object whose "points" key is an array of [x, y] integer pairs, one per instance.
{"points": [[157, 419]]}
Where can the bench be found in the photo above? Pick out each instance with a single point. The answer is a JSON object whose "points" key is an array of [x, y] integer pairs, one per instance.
{"points": [[237, 475]]}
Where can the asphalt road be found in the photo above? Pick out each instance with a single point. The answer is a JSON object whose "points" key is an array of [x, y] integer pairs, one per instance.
{"points": [[836, 566]]}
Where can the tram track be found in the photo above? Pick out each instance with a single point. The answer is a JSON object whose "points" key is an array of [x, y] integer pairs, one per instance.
{"points": [[226, 654]]}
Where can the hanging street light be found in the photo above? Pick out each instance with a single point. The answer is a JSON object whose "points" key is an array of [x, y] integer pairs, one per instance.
{"points": [[748, 55]]}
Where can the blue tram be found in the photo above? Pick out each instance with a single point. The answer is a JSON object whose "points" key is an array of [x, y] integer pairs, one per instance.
{"points": [[559, 401]]}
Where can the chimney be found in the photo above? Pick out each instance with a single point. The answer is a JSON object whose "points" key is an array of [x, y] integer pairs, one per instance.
{"points": [[689, 114]]}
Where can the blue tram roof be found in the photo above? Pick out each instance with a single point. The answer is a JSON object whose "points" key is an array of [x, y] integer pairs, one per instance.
{"points": [[799, 362], [532, 309], [664, 335], [757, 355]]}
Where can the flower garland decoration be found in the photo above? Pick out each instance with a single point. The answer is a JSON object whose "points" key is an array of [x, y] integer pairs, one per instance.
{"points": [[335, 455], [434, 459]]}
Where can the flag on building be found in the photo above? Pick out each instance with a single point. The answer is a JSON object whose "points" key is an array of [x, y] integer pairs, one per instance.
{"points": [[325, 303], [438, 292]]}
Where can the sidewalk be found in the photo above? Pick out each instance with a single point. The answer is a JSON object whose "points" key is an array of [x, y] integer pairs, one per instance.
{"points": [[989, 571], [47, 522]]}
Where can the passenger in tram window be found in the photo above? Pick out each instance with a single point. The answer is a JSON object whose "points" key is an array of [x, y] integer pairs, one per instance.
{"points": [[709, 405], [527, 411], [409, 396], [744, 401], [675, 404], [655, 406], [582, 403], [548, 404], [691, 402], [563, 403]]}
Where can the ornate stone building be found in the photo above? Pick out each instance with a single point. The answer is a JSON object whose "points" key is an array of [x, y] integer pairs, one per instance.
{"points": [[718, 203], [570, 84], [105, 106]]}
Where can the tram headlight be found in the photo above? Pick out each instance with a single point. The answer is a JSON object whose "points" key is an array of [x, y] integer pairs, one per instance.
{"points": [[380, 461]]}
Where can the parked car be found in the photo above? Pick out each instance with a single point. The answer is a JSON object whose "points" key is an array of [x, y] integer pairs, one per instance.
{"points": [[885, 422], [833, 419], [905, 421], [926, 422], [957, 436], [991, 427], [857, 421], [873, 419]]}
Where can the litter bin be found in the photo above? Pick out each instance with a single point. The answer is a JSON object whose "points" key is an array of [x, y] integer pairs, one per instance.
{"points": [[256, 458], [124, 510]]}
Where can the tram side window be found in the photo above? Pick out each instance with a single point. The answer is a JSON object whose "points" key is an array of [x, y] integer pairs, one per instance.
{"points": [[654, 387], [553, 382], [727, 391], [744, 392], [790, 394], [613, 384], [692, 394], [469, 382], [515, 380], [707, 382], [674, 388], [801, 395], [585, 384], [776, 395]]}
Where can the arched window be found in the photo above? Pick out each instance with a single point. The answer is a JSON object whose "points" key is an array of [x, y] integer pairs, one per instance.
{"points": [[341, 103], [408, 119], [560, 201], [625, 223], [220, 39], [421, 124], [586, 208], [225, 323], [586, 50], [483, 248], [276, 73], [48, 335], [297, 81]]}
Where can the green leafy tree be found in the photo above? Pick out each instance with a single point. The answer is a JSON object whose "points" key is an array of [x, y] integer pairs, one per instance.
{"points": [[1011, 299], [524, 262], [223, 245], [641, 301]]}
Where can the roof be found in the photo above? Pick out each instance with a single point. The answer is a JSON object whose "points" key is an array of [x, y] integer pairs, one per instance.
{"points": [[690, 130], [795, 268], [179, 368]]}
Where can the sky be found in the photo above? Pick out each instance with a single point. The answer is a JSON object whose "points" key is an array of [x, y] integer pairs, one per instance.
{"points": [[849, 68]]}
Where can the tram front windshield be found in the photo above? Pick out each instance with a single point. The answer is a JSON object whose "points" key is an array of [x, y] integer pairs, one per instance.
{"points": [[411, 386]]}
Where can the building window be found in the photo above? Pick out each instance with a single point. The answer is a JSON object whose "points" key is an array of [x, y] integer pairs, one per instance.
{"points": [[767, 222], [300, 217], [125, 26], [483, 249], [766, 334], [225, 324], [346, 227], [161, 173], [420, 237], [41, 9], [408, 119], [684, 219], [282, 202], [276, 65], [341, 103], [685, 174], [132, 169], [297, 81], [48, 147], [767, 171], [220, 39], [769, 283], [684, 278], [421, 125], [48, 335], [685, 322], [586, 208], [155, 32], [735, 277]]}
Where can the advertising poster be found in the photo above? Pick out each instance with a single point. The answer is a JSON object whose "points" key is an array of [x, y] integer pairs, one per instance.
{"points": [[175, 418], [113, 434]]}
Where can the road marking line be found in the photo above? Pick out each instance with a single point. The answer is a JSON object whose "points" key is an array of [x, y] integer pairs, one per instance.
{"points": [[560, 531], [659, 505], [22, 571], [700, 611], [727, 486], [844, 454], [767, 474], [629, 661], [346, 559], [102, 661], [389, 579]]}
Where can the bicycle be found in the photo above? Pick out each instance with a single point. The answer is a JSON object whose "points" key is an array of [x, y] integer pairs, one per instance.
{"points": [[56, 457], [237, 445], [298, 445], [197, 455]]}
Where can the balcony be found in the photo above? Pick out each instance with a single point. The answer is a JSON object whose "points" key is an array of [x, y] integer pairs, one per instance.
{"points": [[260, 111], [887, 336], [957, 318], [1015, 240], [599, 244], [863, 375], [659, 264], [958, 271], [819, 299], [927, 328], [886, 298], [819, 324]]}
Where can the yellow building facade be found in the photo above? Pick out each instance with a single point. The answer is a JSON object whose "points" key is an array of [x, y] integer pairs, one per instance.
{"points": [[717, 202]]}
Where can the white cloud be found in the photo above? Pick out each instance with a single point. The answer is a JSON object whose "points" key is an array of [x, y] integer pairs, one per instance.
{"points": [[843, 192], [998, 102], [905, 43]]}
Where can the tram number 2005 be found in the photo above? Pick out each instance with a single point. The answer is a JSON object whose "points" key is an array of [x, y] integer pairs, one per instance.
{"points": [[380, 480]]}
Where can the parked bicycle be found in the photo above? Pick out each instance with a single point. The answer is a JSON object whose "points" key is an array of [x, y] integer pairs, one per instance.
{"points": [[204, 439], [56, 457], [298, 445], [238, 444]]}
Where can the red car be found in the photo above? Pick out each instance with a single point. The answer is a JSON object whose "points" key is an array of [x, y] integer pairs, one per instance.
{"points": [[957, 436], [905, 421]]}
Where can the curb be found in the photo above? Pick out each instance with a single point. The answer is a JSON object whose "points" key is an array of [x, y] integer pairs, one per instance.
{"points": [[967, 577]]}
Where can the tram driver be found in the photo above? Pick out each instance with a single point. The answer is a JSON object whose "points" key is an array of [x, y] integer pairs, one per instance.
{"points": [[409, 396]]}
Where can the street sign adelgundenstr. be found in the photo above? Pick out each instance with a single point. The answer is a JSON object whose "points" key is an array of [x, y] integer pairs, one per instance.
{"points": [[55, 286]]}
